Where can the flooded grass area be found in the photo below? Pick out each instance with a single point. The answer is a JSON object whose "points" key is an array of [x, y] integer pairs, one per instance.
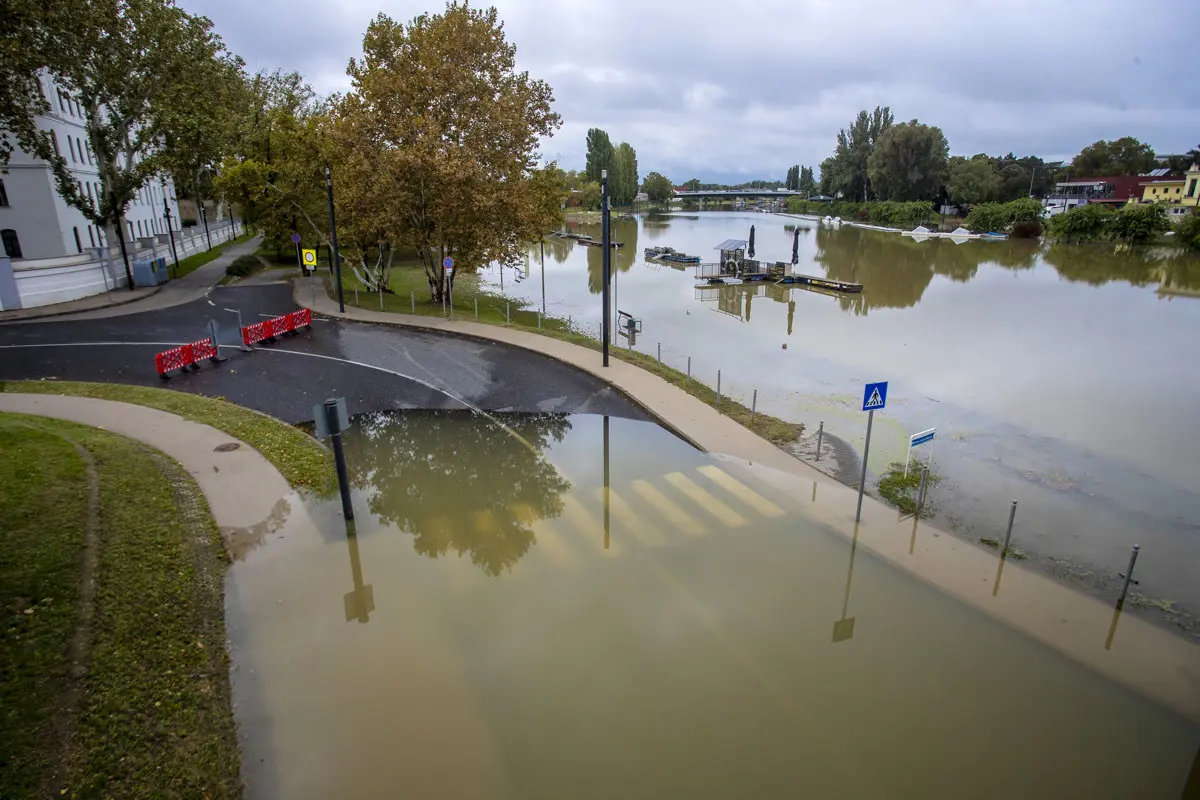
{"points": [[579, 606]]}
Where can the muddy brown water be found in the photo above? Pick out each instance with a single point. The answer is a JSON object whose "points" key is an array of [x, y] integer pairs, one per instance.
{"points": [[1061, 376], [495, 629]]}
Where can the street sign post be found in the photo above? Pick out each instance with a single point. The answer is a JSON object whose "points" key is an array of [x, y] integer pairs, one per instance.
{"points": [[874, 397], [331, 419], [448, 265], [916, 440]]}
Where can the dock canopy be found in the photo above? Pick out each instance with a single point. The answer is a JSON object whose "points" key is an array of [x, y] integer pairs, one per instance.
{"points": [[732, 244]]}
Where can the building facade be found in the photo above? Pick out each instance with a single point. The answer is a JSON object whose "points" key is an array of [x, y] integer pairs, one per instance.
{"points": [[36, 223]]}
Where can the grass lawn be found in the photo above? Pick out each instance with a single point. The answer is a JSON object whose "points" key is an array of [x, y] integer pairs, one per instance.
{"points": [[409, 282], [194, 262], [117, 686], [304, 462]]}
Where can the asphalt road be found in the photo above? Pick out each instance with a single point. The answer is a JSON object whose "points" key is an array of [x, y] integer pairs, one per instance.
{"points": [[376, 367]]}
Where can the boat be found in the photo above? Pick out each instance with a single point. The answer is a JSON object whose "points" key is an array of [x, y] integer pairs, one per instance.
{"points": [[679, 258], [590, 242]]}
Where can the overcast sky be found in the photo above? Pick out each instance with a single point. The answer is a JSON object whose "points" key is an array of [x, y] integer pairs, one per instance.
{"points": [[737, 90]]}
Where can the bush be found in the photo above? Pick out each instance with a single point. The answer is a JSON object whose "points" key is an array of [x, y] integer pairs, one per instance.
{"points": [[1003, 217], [1026, 229], [246, 265], [1082, 223], [1189, 232], [1137, 223]]}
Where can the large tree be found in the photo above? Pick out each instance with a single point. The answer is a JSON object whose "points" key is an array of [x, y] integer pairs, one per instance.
{"points": [[136, 68], [972, 180], [623, 179], [909, 162], [600, 154], [436, 142], [805, 182], [1124, 156], [658, 188], [847, 170]]}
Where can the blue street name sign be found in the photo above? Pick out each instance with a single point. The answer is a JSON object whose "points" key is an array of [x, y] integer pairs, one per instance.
{"points": [[922, 437], [875, 396]]}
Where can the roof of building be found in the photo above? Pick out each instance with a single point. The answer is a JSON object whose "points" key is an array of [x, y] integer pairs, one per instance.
{"points": [[1157, 181], [732, 244]]}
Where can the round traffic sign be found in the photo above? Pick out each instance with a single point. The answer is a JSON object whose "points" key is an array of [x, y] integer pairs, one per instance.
{"points": [[296, 238], [310, 257], [448, 262]]}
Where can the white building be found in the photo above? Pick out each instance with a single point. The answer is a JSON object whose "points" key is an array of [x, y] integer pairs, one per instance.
{"points": [[51, 252], [36, 223]]}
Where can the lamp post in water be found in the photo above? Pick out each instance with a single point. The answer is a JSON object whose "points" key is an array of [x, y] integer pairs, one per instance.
{"points": [[605, 260]]}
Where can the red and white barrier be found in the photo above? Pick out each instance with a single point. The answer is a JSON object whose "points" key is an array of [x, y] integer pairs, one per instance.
{"points": [[185, 356], [268, 329]]}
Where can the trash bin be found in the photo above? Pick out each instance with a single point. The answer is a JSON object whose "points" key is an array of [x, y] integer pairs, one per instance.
{"points": [[149, 272]]}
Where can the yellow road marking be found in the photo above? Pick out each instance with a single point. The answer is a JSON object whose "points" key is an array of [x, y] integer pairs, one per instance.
{"points": [[741, 491], [545, 538], [589, 526], [640, 528], [705, 500], [680, 518]]}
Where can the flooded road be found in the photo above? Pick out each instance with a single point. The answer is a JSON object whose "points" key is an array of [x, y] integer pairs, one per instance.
{"points": [[1063, 377], [496, 629]]}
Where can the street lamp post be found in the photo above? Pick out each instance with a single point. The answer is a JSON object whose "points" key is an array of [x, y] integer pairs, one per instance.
{"points": [[204, 219], [605, 257], [170, 231], [335, 256]]}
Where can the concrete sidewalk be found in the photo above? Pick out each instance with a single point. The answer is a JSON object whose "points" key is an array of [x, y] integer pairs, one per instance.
{"points": [[243, 489], [121, 302], [695, 421]]}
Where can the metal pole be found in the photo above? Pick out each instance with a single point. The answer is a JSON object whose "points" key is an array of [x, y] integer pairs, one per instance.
{"points": [[820, 435], [1129, 572], [604, 260], [245, 348], [450, 292], [539, 320], [689, 373], [204, 219], [1012, 513], [170, 233], [542, 247], [356, 295], [312, 282], [718, 388], [507, 316], [862, 481], [660, 353], [413, 295], [607, 485], [921, 490], [754, 407], [299, 260], [381, 297], [339, 457], [337, 261], [477, 309]]}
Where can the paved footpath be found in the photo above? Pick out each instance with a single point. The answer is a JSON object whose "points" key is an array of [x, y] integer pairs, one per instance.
{"points": [[121, 302], [243, 488]]}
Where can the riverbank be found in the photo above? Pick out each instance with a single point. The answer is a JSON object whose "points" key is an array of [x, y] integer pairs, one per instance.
{"points": [[116, 675]]}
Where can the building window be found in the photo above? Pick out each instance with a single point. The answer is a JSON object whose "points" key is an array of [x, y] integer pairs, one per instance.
{"points": [[91, 236], [1154, 191], [61, 107], [54, 143], [140, 233], [12, 245], [78, 244], [3, 195]]}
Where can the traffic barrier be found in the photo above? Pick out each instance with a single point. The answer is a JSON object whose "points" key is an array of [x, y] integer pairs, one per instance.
{"points": [[185, 356], [268, 329]]}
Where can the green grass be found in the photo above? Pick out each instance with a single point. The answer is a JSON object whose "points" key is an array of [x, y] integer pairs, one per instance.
{"points": [[300, 458], [151, 714], [901, 490], [408, 282], [194, 262]]}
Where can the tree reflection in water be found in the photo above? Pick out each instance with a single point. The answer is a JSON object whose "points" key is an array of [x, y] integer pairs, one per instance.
{"points": [[458, 481]]}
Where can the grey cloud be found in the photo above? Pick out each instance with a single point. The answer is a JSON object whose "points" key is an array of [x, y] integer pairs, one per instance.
{"points": [[712, 88]]}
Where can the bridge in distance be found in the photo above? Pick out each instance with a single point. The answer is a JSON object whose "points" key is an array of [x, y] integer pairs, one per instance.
{"points": [[739, 193]]}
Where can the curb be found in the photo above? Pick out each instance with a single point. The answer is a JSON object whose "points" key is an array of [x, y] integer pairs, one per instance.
{"points": [[52, 314]]}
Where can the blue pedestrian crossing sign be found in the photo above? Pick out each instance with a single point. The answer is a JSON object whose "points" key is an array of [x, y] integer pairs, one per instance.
{"points": [[875, 396]]}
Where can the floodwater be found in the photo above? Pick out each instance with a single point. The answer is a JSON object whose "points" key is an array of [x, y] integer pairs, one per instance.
{"points": [[494, 629], [1064, 377]]}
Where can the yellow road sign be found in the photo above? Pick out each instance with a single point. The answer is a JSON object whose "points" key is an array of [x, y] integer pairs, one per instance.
{"points": [[309, 257]]}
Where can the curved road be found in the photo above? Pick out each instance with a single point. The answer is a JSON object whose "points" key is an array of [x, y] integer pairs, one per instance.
{"points": [[376, 367]]}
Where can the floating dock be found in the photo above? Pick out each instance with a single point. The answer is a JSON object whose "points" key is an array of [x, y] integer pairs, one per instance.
{"points": [[590, 242], [820, 283]]}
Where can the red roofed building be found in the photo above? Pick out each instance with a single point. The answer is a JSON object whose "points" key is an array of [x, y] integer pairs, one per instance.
{"points": [[1113, 190]]}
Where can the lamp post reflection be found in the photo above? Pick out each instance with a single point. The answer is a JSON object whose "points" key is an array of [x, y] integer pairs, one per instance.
{"points": [[359, 602], [843, 628], [606, 484]]}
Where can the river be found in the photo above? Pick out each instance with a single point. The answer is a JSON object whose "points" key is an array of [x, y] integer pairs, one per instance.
{"points": [[1060, 376]]}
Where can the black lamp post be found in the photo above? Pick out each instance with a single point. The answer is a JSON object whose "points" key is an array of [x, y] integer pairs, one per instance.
{"points": [[170, 230], [204, 219], [334, 255]]}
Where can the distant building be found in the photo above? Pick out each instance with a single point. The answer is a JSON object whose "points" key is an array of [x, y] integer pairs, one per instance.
{"points": [[1112, 190], [1178, 192], [36, 223]]}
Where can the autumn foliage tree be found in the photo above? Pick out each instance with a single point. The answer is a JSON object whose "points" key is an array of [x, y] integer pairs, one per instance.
{"points": [[436, 143]]}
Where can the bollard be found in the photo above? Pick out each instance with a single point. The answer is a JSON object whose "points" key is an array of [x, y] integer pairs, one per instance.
{"points": [[355, 295], [718, 388], [413, 295], [689, 375], [381, 297], [1011, 514], [660, 353], [477, 309], [507, 318], [539, 320], [820, 434], [754, 407], [921, 490], [568, 322], [1129, 572]]}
